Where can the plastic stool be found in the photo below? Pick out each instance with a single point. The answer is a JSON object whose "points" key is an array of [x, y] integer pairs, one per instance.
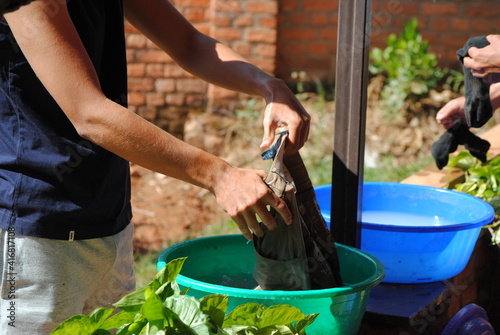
{"points": [[470, 320]]}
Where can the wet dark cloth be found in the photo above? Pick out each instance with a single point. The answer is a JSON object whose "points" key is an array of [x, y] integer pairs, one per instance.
{"points": [[53, 183], [478, 109], [7, 6], [459, 134], [302, 255]]}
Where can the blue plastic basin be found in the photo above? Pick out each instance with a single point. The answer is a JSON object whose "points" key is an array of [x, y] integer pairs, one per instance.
{"points": [[421, 234]]}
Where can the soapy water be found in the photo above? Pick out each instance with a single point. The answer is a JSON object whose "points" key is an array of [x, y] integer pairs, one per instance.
{"points": [[404, 219], [239, 281]]}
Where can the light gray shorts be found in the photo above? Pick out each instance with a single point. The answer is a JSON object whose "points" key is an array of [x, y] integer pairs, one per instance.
{"points": [[44, 281]]}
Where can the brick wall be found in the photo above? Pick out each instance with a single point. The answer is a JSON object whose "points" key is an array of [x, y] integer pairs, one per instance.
{"points": [[163, 93], [307, 29], [284, 37]]}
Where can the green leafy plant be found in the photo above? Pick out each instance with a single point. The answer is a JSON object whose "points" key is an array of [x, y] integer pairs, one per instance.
{"points": [[482, 181], [161, 308], [407, 65]]}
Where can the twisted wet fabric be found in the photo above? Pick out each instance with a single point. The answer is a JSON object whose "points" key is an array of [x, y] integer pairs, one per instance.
{"points": [[303, 255], [7, 6], [477, 109], [449, 141], [477, 106]]}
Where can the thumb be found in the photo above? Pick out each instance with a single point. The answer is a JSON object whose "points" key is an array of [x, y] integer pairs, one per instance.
{"points": [[269, 128]]}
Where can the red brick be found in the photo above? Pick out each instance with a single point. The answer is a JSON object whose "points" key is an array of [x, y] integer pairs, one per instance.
{"points": [[176, 99], [165, 85], [298, 34], [227, 34], [439, 9], [319, 19], [195, 100], [191, 85], [244, 21], [140, 84], [265, 50], [194, 15], [298, 48], [261, 35], [155, 99], [228, 6], [480, 26], [174, 71], [460, 24], [222, 93], [287, 6], [155, 70], [440, 23], [266, 65], [194, 3], [153, 56], [136, 98], [136, 69], [242, 48], [328, 34], [136, 41], [203, 27], [298, 18], [268, 22], [173, 113], [148, 112], [318, 49], [484, 11], [267, 7], [221, 20], [320, 5]]}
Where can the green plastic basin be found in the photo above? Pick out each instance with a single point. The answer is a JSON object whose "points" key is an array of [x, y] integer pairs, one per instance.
{"points": [[224, 265]]}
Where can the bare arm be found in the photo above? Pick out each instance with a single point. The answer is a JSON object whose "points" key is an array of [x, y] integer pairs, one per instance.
{"points": [[242, 193], [485, 62], [216, 63], [454, 109]]}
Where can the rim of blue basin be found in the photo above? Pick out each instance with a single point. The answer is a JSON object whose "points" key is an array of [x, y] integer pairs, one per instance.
{"points": [[482, 206]]}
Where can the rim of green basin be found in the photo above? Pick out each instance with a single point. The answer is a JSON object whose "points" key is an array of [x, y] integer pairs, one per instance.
{"points": [[348, 288]]}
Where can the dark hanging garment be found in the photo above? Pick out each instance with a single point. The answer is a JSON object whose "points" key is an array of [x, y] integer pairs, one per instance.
{"points": [[300, 256]]}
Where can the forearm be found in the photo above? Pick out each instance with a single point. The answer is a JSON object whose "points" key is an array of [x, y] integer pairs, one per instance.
{"points": [[95, 117], [131, 137], [197, 53], [495, 95]]}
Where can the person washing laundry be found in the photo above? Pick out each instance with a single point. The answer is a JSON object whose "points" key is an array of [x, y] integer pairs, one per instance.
{"points": [[67, 137], [480, 58], [483, 63]]}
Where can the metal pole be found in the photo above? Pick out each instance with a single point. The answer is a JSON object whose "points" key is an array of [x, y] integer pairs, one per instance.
{"points": [[351, 83]]}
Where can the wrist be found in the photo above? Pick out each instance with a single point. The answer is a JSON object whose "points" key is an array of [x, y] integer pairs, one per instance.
{"points": [[269, 87]]}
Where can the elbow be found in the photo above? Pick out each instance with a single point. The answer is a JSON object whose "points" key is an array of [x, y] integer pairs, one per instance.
{"points": [[88, 120]]}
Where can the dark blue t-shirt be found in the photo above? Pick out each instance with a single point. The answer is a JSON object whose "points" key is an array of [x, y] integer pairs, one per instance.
{"points": [[53, 183]]}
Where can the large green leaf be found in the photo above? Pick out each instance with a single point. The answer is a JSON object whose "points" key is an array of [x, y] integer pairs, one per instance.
{"points": [[247, 314], [118, 320], [99, 315], [78, 324], [132, 302], [189, 312], [215, 306], [170, 271], [279, 315], [153, 309]]}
